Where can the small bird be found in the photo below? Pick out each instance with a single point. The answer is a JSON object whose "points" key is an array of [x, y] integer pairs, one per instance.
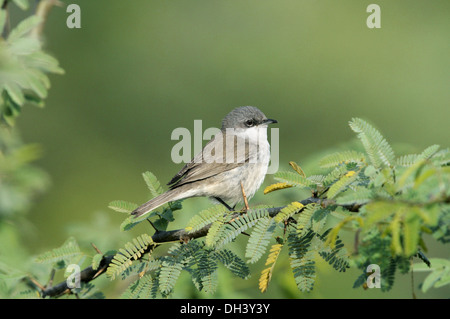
{"points": [[230, 168]]}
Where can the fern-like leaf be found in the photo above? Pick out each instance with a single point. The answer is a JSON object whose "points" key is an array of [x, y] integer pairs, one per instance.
{"points": [[411, 159], [388, 275], [235, 264], [334, 175], [293, 179], [205, 217], [133, 250], [341, 184], [305, 218], [259, 239], [335, 159], [266, 274], [122, 206], [152, 183], [378, 149], [302, 260], [169, 274], [206, 272], [357, 195], [288, 211], [336, 257], [65, 253], [143, 288], [275, 187], [238, 225]]}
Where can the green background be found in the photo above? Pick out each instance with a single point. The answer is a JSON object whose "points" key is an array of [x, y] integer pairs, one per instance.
{"points": [[137, 70]]}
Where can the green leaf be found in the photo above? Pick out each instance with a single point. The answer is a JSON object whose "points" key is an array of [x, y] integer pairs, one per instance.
{"points": [[235, 264], [206, 272], [259, 239], [302, 262], [23, 28], [22, 4], [206, 217], [64, 253], [238, 225], [15, 93], [411, 230], [132, 250], [341, 184], [335, 159], [152, 183], [293, 179], [378, 149], [357, 195], [378, 211], [309, 217], [214, 232], [336, 256], [96, 261], [288, 211], [122, 206], [169, 274], [143, 288]]}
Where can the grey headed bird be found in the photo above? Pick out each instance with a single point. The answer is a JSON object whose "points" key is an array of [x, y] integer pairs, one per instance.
{"points": [[233, 163]]}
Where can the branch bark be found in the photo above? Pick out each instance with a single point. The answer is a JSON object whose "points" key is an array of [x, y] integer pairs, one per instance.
{"points": [[88, 274]]}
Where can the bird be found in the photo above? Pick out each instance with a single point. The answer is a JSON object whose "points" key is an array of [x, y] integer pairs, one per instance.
{"points": [[230, 168]]}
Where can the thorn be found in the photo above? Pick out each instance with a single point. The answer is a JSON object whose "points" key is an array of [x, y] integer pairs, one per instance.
{"points": [[96, 249], [34, 281], [98, 273], [245, 197]]}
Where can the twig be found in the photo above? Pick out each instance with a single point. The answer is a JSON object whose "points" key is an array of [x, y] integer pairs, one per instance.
{"points": [[42, 11]]}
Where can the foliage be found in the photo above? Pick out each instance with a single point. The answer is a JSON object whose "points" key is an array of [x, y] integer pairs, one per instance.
{"points": [[23, 69], [23, 79], [388, 203], [305, 239], [393, 202], [20, 181], [439, 273]]}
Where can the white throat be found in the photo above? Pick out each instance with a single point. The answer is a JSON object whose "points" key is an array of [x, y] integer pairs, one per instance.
{"points": [[255, 134]]}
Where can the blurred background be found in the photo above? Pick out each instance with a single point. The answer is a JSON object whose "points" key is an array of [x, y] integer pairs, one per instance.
{"points": [[137, 70]]}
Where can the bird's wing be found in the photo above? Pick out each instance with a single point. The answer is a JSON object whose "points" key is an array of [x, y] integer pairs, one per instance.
{"points": [[207, 164]]}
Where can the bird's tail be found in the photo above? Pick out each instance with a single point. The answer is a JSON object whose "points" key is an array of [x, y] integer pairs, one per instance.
{"points": [[169, 196]]}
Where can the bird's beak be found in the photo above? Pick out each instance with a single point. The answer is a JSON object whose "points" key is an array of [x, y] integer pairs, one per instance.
{"points": [[269, 121]]}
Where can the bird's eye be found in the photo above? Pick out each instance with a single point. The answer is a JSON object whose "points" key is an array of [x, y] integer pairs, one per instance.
{"points": [[249, 123]]}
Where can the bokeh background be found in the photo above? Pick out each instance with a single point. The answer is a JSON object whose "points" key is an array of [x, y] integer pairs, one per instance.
{"points": [[137, 70]]}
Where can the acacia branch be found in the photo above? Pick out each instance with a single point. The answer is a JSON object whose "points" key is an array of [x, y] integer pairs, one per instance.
{"points": [[88, 274]]}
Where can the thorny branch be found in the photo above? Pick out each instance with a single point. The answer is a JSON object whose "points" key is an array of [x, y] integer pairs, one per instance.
{"points": [[88, 274]]}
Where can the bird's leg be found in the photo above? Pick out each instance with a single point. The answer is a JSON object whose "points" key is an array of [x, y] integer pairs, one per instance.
{"points": [[245, 198], [231, 209]]}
